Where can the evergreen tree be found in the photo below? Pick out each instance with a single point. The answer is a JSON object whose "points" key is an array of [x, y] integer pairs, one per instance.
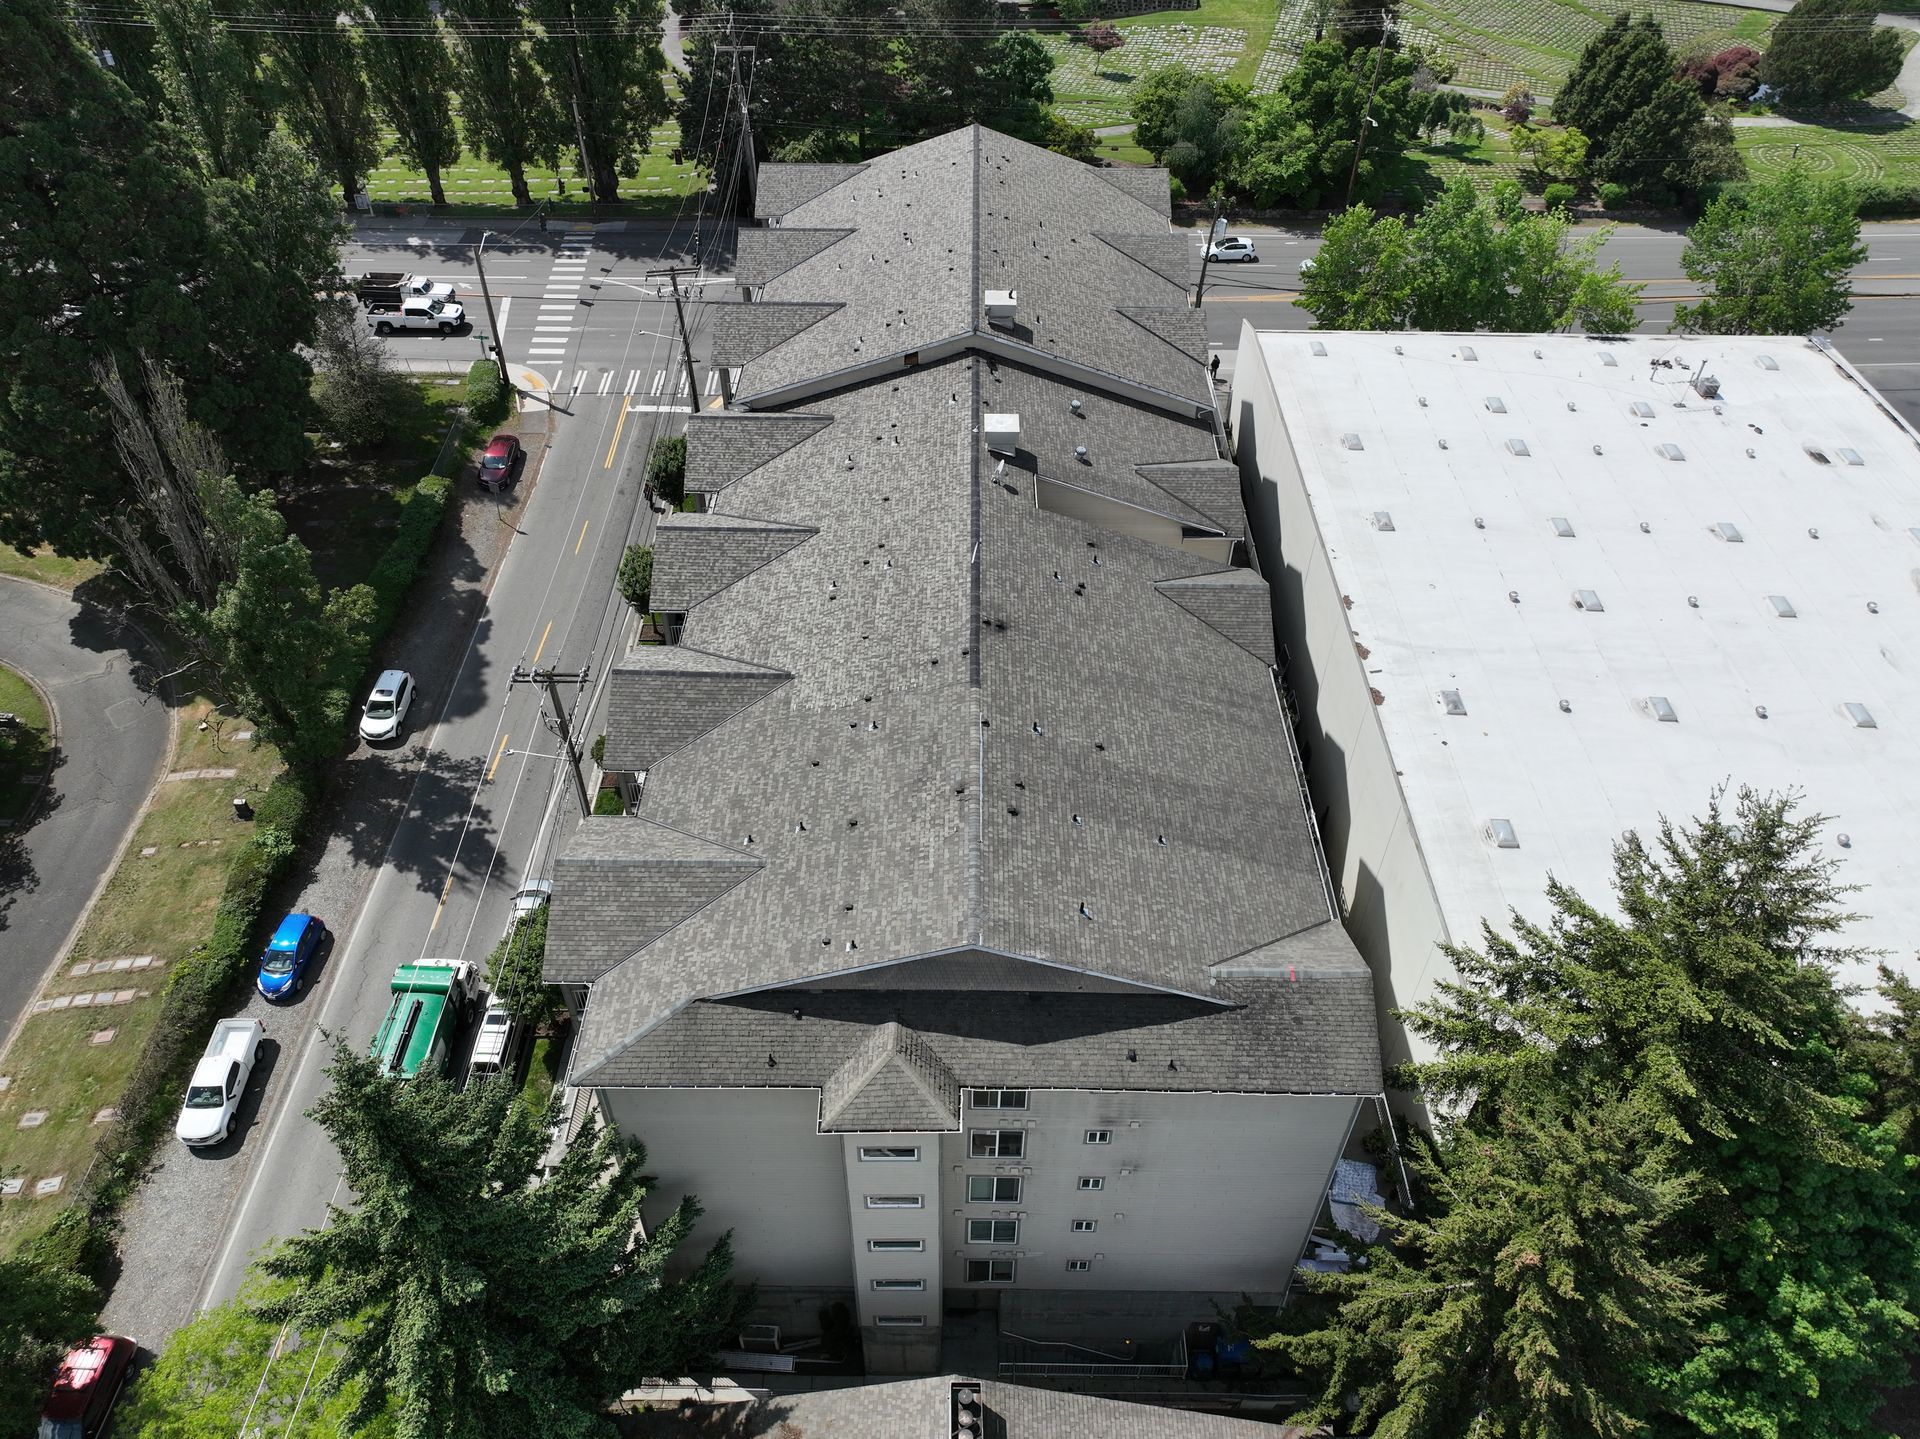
{"points": [[1776, 259], [952, 71], [1648, 127], [603, 63], [1532, 1298], [486, 1304], [507, 110], [117, 237], [1708, 1006], [1830, 50], [317, 72], [410, 72]]}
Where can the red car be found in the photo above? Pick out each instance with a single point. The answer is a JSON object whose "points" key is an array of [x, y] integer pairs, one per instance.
{"points": [[85, 1387], [501, 462]]}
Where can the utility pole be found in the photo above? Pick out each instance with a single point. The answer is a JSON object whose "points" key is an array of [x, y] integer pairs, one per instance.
{"points": [[1366, 119], [493, 325], [558, 721], [672, 272], [1206, 253]]}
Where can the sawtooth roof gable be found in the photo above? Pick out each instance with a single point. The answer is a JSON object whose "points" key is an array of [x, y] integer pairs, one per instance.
{"points": [[723, 447], [893, 1083], [761, 255], [781, 188], [695, 556], [1234, 603], [743, 333], [663, 697]]}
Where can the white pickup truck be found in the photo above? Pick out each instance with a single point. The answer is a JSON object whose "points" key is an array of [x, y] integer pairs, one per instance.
{"points": [[442, 315], [219, 1079]]}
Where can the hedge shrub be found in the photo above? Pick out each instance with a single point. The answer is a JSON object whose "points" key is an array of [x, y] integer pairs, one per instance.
{"points": [[1613, 196], [487, 397], [1558, 196], [394, 573]]}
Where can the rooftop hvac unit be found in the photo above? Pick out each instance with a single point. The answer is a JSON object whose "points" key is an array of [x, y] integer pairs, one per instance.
{"points": [[1003, 434], [1001, 305], [1706, 386]]}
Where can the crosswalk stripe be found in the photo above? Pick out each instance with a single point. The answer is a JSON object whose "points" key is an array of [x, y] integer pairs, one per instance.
{"points": [[680, 385], [578, 376], [713, 382], [633, 381], [606, 381], [659, 379]]}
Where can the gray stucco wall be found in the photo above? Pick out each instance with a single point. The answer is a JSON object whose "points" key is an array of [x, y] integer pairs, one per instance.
{"points": [[1386, 896]]}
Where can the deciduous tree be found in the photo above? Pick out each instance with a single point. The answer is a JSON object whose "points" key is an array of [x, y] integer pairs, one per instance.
{"points": [[45, 1309], [316, 69], [410, 72], [514, 969], [1299, 143], [1829, 50], [1191, 123], [603, 63], [1775, 258], [356, 388], [209, 85], [508, 112], [487, 1304]]}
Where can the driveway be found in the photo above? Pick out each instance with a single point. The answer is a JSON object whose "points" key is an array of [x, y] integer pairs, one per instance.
{"points": [[113, 736]]}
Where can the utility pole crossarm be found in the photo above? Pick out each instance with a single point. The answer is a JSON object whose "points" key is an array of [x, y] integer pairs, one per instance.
{"points": [[672, 272], [550, 680]]}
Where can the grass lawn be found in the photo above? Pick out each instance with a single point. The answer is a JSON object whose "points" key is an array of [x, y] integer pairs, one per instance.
{"points": [[1864, 152], [156, 907], [473, 183], [47, 567], [543, 1072], [26, 747]]}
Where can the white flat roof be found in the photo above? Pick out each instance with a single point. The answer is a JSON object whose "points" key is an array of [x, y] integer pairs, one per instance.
{"points": [[1562, 735]]}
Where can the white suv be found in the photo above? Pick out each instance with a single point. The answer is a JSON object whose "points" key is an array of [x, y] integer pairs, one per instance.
{"points": [[386, 707], [1232, 247]]}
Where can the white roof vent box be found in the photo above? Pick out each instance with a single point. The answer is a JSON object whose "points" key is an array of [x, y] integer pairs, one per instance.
{"points": [[1001, 306], [1003, 434]]}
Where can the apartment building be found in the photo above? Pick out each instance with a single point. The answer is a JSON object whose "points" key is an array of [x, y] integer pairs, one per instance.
{"points": [[970, 944], [1537, 590]]}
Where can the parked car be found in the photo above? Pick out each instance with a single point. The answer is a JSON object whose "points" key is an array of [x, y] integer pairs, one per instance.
{"points": [[386, 707], [394, 287], [531, 895], [500, 462], [219, 1079], [442, 315], [1232, 247], [283, 968], [85, 1387], [494, 1047]]}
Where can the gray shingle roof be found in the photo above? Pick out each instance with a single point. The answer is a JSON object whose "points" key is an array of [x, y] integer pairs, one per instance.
{"points": [[1150, 186], [743, 333], [1210, 486], [696, 556], [1236, 603], [661, 698], [762, 255], [936, 225], [622, 882], [892, 1083], [922, 1409], [722, 448], [1183, 327], [781, 188], [975, 744], [1168, 254]]}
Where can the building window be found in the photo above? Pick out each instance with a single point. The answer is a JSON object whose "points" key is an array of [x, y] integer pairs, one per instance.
{"points": [[998, 1143], [1094, 1136], [999, 1099], [993, 1231], [1087, 1181], [889, 1153], [989, 1271], [1079, 1266], [896, 1246], [993, 1189], [900, 1321], [903, 1285], [907, 1201], [1085, 1226]]}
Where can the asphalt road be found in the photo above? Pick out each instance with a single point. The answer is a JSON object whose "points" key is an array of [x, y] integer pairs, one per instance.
{"points": [[113, 738], [473, 799], [1881, 336]]}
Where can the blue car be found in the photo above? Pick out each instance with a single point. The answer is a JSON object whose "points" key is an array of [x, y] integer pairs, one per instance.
{"points": [[283, 968]]}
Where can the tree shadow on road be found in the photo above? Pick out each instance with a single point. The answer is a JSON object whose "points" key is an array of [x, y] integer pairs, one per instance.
{"points": [[445, 823]]}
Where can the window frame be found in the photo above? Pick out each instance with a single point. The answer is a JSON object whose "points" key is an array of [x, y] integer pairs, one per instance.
{"points": [[900, 1321], [896, 1201], [1085, 1226], [1092, 1183], [899, 1286], [896, 1246], [889, 1154], [989, 1265], [1099, 1136], [1002, 1099], [997, 1140], [996, 1180], [991, 1225], [1079, 1266]]}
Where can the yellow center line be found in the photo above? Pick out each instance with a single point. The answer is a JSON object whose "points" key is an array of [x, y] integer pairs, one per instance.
{"points": [[498, 756], [445, 890], [543, 641], [583, 536], [619, 425]]}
